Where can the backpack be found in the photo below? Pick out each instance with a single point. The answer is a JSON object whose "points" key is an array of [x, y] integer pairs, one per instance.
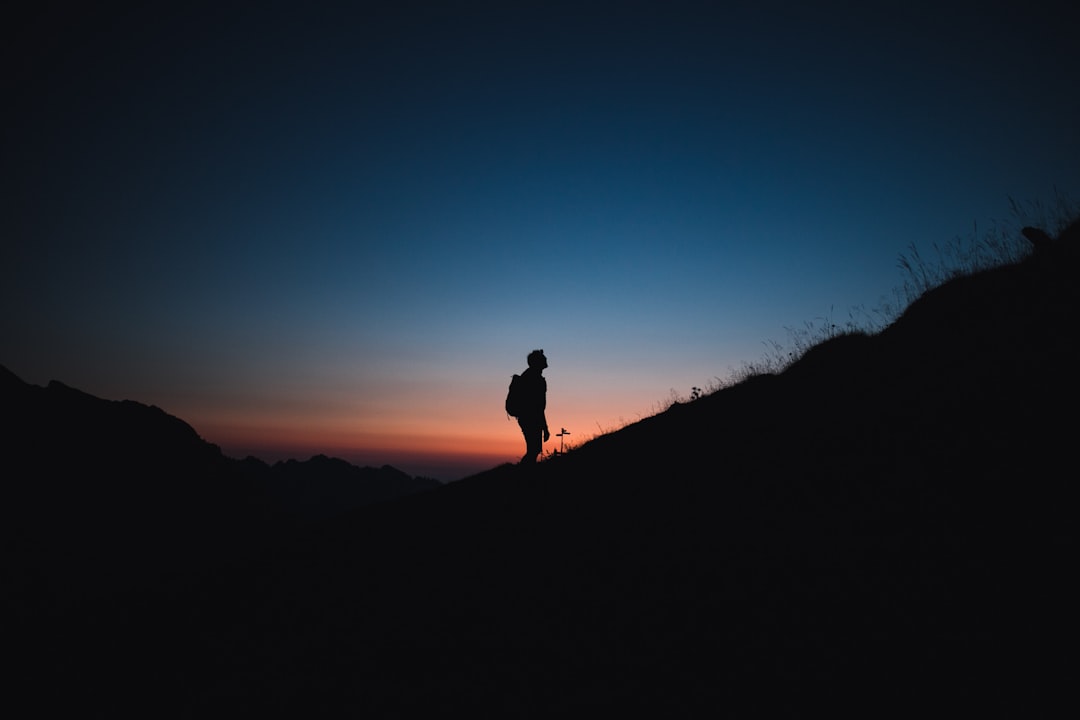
{"points": [[515, 397]]}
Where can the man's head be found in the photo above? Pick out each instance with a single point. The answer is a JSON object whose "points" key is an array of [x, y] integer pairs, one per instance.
{"points": [[537, 360]]}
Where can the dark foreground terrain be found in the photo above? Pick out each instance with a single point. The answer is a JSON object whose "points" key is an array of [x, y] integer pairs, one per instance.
{"points": [[887, 528]]}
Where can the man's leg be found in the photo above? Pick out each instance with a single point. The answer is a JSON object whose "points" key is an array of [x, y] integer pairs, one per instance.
{"points": [[534, 442]]}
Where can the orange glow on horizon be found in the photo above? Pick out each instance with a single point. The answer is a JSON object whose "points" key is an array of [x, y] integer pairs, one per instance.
{"points": [[416, 453], [457, 435]]}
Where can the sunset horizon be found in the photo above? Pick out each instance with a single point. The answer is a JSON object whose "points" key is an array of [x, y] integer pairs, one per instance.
{"points": [[340, 229]]}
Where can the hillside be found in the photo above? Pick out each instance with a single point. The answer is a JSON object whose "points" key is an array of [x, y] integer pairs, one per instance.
{"points": [[104, 495], [885, 528]]}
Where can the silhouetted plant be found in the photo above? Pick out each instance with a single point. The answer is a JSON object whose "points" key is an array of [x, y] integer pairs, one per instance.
{"points": [[564, 447], [1002, 244]]}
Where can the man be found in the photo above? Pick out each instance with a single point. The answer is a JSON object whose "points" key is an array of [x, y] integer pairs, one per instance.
{"points": [[532, 420]]}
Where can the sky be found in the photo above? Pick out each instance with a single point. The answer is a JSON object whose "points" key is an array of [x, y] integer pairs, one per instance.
{"points": [[339, 228]]}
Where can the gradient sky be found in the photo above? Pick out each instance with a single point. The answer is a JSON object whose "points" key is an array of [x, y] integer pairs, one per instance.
{"points": [[339, 228]]}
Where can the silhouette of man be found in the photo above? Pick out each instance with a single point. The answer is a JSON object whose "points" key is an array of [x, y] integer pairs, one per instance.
{"points": [[532, 420]]}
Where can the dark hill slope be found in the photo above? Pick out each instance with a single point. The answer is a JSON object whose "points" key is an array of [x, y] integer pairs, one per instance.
{"points": [[98, 492], [887, 528], [102, 495]]}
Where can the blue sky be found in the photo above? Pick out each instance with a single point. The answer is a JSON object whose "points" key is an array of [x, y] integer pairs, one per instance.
{"points": [[340, 228]]}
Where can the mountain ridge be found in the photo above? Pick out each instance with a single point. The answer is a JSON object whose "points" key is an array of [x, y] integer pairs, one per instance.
{"points": [[95, 474]]}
